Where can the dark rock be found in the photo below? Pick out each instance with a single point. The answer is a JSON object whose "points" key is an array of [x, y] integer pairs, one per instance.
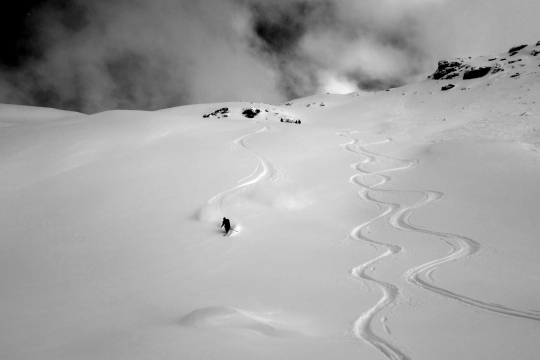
{"points": [[492, 59], [517, 48], [476, 73], [448, 87], [219, 111], [513, 53], [515, 75], [535, 52], [250, 113], [538, 43], [497, 68], [446, 67], [290, 120]]}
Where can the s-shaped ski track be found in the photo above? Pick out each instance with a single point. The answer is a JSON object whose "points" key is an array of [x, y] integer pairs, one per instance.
{"points": [[263, 172], [399, 218], [462, 247], [362, 327]]}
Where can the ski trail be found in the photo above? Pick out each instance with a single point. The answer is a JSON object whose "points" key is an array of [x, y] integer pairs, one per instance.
{"points": [[463, 247], [264, 167], [399, 218], [362, 327], [211, 211]]}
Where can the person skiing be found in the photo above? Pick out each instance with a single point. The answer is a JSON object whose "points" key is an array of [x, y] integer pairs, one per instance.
{"points": [[227, 225]]}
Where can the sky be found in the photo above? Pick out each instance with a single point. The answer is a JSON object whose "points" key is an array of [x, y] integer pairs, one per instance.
{"points": [[98, 55]]}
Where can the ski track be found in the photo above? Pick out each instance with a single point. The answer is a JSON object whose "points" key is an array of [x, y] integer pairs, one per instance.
{"points": [[263, 171], [362, 327], [398, 217], [463, 248]]}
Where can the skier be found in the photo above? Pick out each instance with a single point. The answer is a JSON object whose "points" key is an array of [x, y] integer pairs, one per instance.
{"points": [[227, 225]]}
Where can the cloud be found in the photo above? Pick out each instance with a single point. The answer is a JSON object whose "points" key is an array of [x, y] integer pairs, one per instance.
{"points": [[375, 44], [148, 55], [153, 54]]}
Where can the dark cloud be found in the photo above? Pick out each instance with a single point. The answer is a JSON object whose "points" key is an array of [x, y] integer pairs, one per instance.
{"points": [[98, 56], [15, 33], [313, 42], [279, 27], [72, 16], [277, 30], [278, 34], [143, 54]]}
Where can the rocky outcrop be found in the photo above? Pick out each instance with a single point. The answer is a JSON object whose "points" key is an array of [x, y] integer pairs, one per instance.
{"points": [[447, 69], [448, 87], [251, 112], [291, 120], [482, 66], [475, 73], [222, 111], [516, 48]]}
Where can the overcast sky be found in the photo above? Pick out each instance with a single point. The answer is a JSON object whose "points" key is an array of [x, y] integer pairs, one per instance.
{"points": [[95, 55]]}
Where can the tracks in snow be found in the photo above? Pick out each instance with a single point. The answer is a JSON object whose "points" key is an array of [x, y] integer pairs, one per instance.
{"points": [[367, 181], [264, 170], [213, 209], [398, 216], [462, 246]]}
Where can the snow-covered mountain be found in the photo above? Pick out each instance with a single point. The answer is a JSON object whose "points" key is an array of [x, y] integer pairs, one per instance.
{"points": [[399, 224]]}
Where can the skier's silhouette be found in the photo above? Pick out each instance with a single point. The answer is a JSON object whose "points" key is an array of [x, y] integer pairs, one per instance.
{"points": [[227, 225]]}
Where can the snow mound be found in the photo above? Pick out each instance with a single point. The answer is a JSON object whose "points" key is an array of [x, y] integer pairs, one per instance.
{"points": [[226, 317]]}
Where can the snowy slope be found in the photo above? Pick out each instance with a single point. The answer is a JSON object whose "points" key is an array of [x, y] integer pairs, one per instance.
{"points": [[400, 224]]}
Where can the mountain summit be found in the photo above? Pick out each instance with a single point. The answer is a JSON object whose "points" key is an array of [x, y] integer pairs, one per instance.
{"points": [[517, 61]]}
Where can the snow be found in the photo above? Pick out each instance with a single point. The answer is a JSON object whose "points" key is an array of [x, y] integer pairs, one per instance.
{"points": [[399, 224]]}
